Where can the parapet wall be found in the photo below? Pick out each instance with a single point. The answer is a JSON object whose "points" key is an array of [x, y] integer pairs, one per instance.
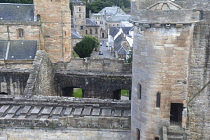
{"points": [[95, 65]]}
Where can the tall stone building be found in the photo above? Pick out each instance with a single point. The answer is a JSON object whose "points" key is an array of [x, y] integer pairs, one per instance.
{"points": [[85, 26], [55, 28], [170, 85], [50, 28]]}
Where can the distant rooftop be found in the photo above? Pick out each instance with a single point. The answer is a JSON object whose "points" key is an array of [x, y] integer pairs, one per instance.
{"points": [[17, 50], [75, 34], [16, 12], [119, 18], [90, 22], [112, 11]]}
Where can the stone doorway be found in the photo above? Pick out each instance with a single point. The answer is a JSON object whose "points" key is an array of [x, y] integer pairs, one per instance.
{"points": [[73, 92], [176, 113], [122, 94]]}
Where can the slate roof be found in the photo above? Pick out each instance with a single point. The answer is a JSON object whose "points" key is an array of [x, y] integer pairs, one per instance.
{"points": [[126, 30], [113, 31], [112, 11], [118, 18], [118, 42], [18, 50], [72, 22], [75, 34], [16, 12], [89, 22]]}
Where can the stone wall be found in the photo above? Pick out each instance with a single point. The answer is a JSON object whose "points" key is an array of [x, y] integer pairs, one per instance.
{"points": [[13, 83], [198, 78], [95, 65], [9, 30], [68, 134], [14, 75], [55, 28], [41, 79], [161, 65], [94, 85], [41, 117]]}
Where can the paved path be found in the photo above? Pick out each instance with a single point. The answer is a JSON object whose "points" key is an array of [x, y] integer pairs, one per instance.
{"points": [[104, 50]]}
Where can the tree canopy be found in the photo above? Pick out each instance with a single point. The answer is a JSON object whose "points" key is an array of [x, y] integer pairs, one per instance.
{"points": [[17, 1], [85, 47], [98, 5]]}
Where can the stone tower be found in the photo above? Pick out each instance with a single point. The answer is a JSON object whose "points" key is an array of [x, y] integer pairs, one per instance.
{"points": [[79, 14], [55, 18], [170, 84]]}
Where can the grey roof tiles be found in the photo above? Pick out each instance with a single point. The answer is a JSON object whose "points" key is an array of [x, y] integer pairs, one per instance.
{"points": [[16, 12], [19, 49]]}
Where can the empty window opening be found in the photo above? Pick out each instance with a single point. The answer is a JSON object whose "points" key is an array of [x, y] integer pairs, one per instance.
{"points": [[102, 35], [91, 31], [176, 113], [81, 27], [3, 93], [79, 8], [73, 92], [86, 32], [158, 99], [140, 89], [20, 32], [138, 132], [157, 138], [38, 17]]}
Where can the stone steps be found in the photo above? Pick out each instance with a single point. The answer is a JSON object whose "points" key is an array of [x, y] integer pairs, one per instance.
{"points": [[175, 137], [175, 133]]}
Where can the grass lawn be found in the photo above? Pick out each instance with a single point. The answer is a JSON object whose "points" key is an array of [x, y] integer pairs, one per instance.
{"points": [[125, 93], [78, 92]]}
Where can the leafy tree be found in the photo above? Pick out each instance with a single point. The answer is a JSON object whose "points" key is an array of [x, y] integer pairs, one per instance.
{"points": [[17, 1], [85, 47], [98, 5]]}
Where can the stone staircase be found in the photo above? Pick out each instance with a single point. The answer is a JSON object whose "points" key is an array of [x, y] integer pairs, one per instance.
{"points": [[175, 132]]}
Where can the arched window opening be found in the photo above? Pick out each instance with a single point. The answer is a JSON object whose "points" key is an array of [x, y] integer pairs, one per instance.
{"points": [[138, 132], [158, 96], [140, 90], [79, 9], [38, 17], [73, 92], [20, 33]]}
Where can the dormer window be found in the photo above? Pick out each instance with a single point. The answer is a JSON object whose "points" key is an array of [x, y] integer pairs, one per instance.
{"points": [[20, 33]]}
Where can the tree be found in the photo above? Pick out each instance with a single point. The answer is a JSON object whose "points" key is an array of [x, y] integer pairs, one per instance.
{"points": [[85, 47]]}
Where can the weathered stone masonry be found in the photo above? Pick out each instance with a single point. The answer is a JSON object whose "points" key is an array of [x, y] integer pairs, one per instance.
{"points": [[171, 57]]}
